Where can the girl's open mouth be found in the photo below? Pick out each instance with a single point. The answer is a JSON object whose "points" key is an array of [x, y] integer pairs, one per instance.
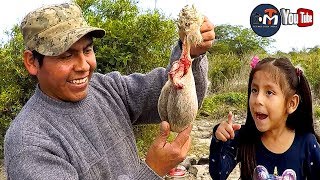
{"points": [[261, 116]]}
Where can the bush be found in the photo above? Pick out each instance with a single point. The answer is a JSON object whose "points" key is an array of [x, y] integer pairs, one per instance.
{"points": [[218, 105], [15, 84], [221, 68], [145, 135], [310, 63], [317, 111]]}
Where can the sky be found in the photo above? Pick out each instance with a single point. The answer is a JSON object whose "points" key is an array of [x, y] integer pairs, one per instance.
{"points": [[225, 12]]}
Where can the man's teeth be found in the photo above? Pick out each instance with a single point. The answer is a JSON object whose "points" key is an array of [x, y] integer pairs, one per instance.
{"points": [[79, 81]]}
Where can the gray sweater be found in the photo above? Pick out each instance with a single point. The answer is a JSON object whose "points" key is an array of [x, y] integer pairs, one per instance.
{"points": [[93, 138]]}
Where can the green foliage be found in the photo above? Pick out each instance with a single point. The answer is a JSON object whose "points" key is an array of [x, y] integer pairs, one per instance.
{"points": [[145, 135], [221, 68], [317, 111], [134, 42], [218, 105], [238, 40], [310, 63], [15, 84]]}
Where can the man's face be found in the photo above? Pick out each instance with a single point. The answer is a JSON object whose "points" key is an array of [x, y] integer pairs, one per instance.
{"points": [[66, 77]]}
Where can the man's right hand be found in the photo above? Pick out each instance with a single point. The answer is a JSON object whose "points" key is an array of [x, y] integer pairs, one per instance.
{"points": [[162, 155], [226, 129]]}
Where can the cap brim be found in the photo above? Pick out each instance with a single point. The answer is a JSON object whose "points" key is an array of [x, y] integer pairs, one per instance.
{"points": [[98, 33], [61, 42]]}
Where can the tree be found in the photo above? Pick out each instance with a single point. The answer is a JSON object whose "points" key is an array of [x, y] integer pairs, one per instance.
{"points": [[238, 40], [134, 42], [15, 84]]}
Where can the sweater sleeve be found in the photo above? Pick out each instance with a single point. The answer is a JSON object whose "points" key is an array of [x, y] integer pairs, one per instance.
{"points": [[140, 92], [146, 173], [313, 158], [222, 158], [36, 163]]}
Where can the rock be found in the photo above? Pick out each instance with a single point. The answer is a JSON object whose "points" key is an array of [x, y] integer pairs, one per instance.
{"points": [[199, 171], [203, 160], [188, 162]]}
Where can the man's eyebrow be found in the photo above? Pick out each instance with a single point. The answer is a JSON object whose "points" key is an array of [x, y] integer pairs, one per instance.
{"points": [[75, 50], [90, 44]]}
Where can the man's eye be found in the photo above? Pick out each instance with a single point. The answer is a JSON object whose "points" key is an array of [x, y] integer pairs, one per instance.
{"points": [[66, 56], [88, 50]]}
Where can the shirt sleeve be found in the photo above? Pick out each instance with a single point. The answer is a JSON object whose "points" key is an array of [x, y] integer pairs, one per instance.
{"points": [[313, 158], [36, 163], [146, 173], [223, 157]]}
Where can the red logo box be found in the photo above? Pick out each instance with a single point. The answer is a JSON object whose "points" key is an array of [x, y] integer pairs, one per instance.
{"points": [[305, 17]]}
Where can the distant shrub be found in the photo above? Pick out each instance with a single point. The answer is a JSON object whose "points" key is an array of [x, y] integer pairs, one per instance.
{"points": [[221, 68], [145, 135], [317, 111], [310, 63], [218, 105]]}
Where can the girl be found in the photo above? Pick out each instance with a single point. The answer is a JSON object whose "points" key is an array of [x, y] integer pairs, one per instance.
{"points": [[278, 140]]}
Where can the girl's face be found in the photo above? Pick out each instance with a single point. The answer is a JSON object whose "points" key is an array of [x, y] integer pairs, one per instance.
{"points": [[267, 103]]}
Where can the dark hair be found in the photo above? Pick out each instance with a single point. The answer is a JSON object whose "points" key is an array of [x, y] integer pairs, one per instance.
{"points": [[291, 83], [38, 56]]}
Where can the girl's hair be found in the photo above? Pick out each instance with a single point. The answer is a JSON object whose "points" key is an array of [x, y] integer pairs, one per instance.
{"points": [[291, 81]]}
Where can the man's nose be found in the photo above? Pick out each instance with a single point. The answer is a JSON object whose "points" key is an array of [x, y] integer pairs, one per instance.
{"points": [[82, 63]]}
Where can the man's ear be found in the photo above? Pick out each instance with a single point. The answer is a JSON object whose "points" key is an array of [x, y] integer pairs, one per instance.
{"points": [[293, 103], [31, 64]]}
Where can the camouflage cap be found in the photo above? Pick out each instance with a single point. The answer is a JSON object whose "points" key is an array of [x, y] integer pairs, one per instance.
{"points": [[52, 30]]}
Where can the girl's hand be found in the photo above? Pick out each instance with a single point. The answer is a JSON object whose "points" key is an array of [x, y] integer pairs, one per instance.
{"points": [[226, 129]]}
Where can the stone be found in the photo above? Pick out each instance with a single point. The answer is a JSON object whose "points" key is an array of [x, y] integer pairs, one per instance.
{"points": [[203, 160], [199, 171], [189, 161]]}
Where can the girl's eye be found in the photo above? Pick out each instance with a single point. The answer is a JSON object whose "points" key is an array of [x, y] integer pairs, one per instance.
{"points": [[253, 90], [270, 93]]}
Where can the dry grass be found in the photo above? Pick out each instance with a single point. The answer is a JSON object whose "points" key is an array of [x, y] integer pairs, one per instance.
{"points": [[198, 149], [2, 172]]}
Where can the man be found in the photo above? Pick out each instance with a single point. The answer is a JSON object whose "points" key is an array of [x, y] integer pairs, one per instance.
{"points": [[78, 124]]}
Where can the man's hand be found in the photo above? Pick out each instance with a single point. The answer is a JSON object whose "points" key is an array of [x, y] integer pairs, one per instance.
{"points": [[208, 35], [162, 155], [226, 129]]}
